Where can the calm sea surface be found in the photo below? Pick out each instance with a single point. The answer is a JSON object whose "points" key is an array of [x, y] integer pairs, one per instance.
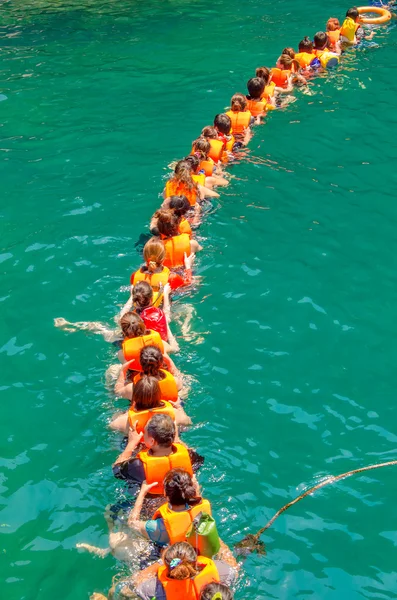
{"points": [[293, 351]]}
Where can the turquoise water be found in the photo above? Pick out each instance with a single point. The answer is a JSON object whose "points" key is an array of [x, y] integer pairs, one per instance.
{"points": [[294, 366]]}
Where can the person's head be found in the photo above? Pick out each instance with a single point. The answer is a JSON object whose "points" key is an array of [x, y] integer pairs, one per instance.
{"points": [[180, 560], [179, 487], [180, 205], [146, 393], [285, 62], [217, 591], [132, 325], [306, 45], [223, 123], [153, 254], [320, 40], [167, 222], [353, 13], [333, 24], [151, 360], [209, 132], [238, 102], [194, 162], [201, 147], [183, 173], [159, 432], [263, 73], [255, 87], [142, 295], [289, 51]]}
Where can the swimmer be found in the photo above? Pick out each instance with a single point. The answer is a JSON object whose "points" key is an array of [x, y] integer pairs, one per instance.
{"points": [[217, 146], [153, 364], [333, 32], [255, 103], [219, 591], [183, 496], [161, 454], [223, 126], [241, 119], [181, 183], [322, 53], [269, 93], [209, 182], [351, 32], [136, 336], [181, 208], [177, 246], [289, 52], [285, 75], [202, 148], [146, 401], [305, 55], [155, 273]]}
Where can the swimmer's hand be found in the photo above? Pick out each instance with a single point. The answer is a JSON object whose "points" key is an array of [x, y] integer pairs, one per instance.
{"points": [[146, 487], [167, 290], [189, 260], [133, 436]]}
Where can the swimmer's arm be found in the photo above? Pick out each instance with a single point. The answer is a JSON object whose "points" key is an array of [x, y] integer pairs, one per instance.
{"points": [[207, 193], [127, 306], [133, 519], [195, 246], [166, 302], [122, 389], [134, 439], [226, 555]]}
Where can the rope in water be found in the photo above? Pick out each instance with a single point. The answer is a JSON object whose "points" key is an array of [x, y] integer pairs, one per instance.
{"points": [[322, 484]]}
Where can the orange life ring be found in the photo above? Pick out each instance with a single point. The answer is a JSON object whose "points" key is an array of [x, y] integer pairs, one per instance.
{"points": [[384, 17]]}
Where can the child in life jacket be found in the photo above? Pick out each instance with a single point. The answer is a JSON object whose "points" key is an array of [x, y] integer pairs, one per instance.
{"points": [[161, 454], [153, 363], [305, 55], [241, 119], [351, 31], [155, 273], [181, 207], [155, 318], [269, 95], [178, 246], [172, 520], [325, 58], [184, 574], [207, 182], [213, 173], [182, 183], [333, 33], [223, 126], [217, 146], [255, 102], [285, 75]]}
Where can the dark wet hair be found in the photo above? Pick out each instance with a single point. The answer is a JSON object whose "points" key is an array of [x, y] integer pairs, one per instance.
{"points": [[238, 102], [306, 45], [352, 12], [132, 325], [263, 73], [167, 222], [180, 205], [186, 567], [320, 40], [209, 591], [255, 87], [179, 487], [151, 360], [223, 123], [146, 393], [162, 429], [142, 295]]}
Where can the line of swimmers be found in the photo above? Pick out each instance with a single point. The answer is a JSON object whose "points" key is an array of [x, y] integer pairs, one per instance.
{"points": [[155, 460]]}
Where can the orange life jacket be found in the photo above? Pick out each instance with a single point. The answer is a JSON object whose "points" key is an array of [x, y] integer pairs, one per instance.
{"points": [[280, 77], [269, 90], [256, 107], [175, 248], [155, 280], [157, 467], [333, 37], [178, 188], [304, 58], [143, 416], [207, 166], [189, 589], [132, 347], [184, 227], [199, 179], [216, 150], [177, 523], [167, 385], [240, 121]]}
